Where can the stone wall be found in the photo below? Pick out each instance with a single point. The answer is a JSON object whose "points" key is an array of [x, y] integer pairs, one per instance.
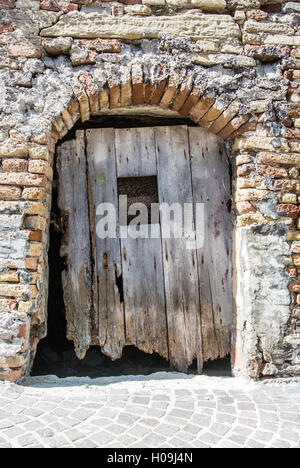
{"points": [[231, 66]]}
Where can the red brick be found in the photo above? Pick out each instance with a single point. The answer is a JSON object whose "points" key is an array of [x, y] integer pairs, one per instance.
{"points": [[200, 109], [158, 92], [94, 102], [102, 45], [7, 305], [58, 5], [7, 4], [234, 125], [190, 102], [137, 85], [36, 236], [126, 94], [183, 93], [24, 334], [249, 126], [287, 185], [148, 92], [6, 27], [289, 209], [114, 100], [14, 165]]}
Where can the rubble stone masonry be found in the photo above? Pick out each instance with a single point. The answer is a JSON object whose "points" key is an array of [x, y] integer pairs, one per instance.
{"points": [[231, 66]]}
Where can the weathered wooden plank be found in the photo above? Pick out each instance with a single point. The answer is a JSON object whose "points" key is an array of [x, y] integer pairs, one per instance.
{"points": [[107, 255], [135, 152], [144, 294], [211, 186], [180, 264], [73, 202]]}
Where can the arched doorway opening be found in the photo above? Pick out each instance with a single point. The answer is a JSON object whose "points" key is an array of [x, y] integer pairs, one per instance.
{"points": [[56, 352]]}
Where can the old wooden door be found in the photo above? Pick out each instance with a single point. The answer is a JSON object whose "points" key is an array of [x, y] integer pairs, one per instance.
{"points": [[142, 284]]}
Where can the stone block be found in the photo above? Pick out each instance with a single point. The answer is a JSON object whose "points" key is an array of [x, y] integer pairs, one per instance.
{"points": [[31, 263], [57, 46], [9, 277], [10, 193], [12, 290], [35, 250], [209, 5], [284, 159], [140, 10], [28, 4], [35, 208], [260, 143], [35, 222], [250, 194], [250, 218], [94, 25], [25, 48], [22, 179], [40, 167], [291, 7], [257, 15], [270, 27], [14, 165], [283, 39], [289, 198], [154, 2], [33, 193], [12, 361], [24, 306]]}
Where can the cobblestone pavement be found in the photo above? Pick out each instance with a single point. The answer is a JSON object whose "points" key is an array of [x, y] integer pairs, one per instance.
{"points": [[162, 410]]}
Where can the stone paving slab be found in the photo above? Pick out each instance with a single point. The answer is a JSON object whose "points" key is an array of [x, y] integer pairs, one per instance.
{"points": [[159, 411]]}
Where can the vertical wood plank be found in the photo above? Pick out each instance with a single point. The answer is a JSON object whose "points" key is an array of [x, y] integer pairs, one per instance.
{"points": [[73, 202], [144, 294], [135, 152], [180, 264], [211, 186], [107, 255]]}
